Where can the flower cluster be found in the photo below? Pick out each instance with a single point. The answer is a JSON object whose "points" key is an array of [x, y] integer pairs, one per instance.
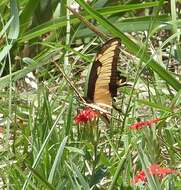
{"points": [[85, 116], [153, 169], [140, 177], [141, 124]]}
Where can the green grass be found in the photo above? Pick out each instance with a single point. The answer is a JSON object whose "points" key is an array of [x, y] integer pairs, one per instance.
{"points": [[41, 146]]}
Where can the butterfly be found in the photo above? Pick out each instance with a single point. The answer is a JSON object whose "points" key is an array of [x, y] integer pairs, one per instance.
{"points": [[103, 77]]}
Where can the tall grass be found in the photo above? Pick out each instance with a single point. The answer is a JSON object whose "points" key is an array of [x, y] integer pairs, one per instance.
{"points": [[41, 145]]}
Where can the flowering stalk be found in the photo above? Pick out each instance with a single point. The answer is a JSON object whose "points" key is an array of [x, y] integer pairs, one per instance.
{"points": [[90, 132], [88, 118], [154, 170], [141, 124], [85, 116]]}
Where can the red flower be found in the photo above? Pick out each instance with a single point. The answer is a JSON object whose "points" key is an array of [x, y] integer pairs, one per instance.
{"points": [[85, 116], [153, 169], [140, 177], [140, 124]]}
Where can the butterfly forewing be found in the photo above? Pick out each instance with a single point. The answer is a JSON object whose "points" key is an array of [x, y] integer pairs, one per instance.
{"points": [[102, 84]]}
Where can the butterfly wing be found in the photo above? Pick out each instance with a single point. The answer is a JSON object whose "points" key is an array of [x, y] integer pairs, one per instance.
{"points": [[102, 84]]}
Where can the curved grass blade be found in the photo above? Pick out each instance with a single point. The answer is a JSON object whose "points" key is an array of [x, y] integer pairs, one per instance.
{"points": [[83, 182], [41, 179], [61, 22], [14, 27], [155, 105], [57, 160], [119, 168], [38, 158], [5, 51]]}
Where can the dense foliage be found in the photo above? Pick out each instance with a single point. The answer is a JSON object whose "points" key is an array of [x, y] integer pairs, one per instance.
{"points": [[49, 140]]}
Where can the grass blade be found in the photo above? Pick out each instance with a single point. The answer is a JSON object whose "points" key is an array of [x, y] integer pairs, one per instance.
{"points": [[14, 27], [57, 160]]}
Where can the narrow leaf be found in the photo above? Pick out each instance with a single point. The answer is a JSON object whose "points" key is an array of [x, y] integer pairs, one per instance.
{"points": [[14, 28]]}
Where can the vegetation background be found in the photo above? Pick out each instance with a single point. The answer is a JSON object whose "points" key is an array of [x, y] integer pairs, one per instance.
{"points": [[41, 145]]}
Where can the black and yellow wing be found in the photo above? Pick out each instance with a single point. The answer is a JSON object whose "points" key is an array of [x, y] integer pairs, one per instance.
{"points": [[103, 78]]}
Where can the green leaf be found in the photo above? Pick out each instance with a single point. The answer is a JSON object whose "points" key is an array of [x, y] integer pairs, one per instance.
{"points": [[83, 182], [14, 27], [6, 27], [134, 24], [27, 13], [37, 160], [154, 105], [61, 22], [41, 180], [152, 184], [5, 51], [4, 81], [57, 160], [119, 168]]}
